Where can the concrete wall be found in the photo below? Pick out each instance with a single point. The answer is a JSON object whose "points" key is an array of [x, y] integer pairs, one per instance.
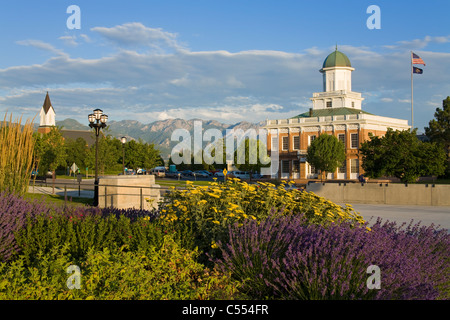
{"points": [[375, 193], [124, 192]]}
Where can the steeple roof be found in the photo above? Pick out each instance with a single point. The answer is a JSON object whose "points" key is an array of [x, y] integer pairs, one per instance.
{"points": [[47, 104]]}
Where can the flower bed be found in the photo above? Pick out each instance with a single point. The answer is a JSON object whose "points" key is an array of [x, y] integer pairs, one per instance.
{"points": [[222, 241]]}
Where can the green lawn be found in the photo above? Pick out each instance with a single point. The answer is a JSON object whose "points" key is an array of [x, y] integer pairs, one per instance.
{"points": [[58, 200]]}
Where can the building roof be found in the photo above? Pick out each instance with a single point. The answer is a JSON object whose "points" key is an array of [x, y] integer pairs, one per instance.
{"points": [[330, 112], [336, 59], [47, 104], [87, 135]]}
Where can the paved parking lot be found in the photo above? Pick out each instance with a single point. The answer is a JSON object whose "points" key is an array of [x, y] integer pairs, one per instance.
{"points": [[426, 214]]}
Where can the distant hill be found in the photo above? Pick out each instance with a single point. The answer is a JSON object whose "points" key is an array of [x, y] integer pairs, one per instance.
{"points": [[158, 132], [71, 124]]}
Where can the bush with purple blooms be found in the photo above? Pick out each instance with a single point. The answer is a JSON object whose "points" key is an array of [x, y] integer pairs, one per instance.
{"points": [[13, 216], [278, 257], [284, 258]]}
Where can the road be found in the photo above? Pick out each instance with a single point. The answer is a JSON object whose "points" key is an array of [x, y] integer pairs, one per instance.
{"points": [[437, 215]]}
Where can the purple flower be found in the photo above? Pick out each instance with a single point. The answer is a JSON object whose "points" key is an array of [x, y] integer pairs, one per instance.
{"points": [[300, 261]]}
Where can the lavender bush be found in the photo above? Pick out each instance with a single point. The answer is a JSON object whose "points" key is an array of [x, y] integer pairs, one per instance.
{"points": [[27, 226], [14, 211], [286, 259]]}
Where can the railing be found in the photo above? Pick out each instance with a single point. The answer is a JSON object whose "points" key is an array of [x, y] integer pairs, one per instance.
{"points": [[73, 187], [358, 116]]}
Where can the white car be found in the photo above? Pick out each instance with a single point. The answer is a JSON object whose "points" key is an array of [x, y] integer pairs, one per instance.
{"points": [[240, 174]]}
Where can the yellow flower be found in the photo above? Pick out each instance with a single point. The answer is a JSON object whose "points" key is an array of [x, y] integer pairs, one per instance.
{"points": [[202, 202], [214, 245], [214, 208], [213, 195], [216, 222]]}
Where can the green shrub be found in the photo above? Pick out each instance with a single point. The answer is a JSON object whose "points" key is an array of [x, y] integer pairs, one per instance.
{"points": [[80, 233], [168, 272]]}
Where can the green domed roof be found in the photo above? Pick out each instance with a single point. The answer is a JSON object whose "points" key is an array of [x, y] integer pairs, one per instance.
{"points": [[336, 59]]}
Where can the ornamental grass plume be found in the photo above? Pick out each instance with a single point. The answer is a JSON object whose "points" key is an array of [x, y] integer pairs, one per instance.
{"points": [[16, 155], [284, 258]]}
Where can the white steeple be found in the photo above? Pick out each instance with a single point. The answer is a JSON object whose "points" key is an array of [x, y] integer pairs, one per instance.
{"points": [[47, 114]]}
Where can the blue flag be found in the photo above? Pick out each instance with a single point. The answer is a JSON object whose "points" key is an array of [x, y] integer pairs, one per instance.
{"points": [[417, 70]]}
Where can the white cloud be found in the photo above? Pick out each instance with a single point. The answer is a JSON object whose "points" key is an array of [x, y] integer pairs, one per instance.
{"points": [[172, 82], [136, 34], [69, 40], [38, 44], [417, 44]]}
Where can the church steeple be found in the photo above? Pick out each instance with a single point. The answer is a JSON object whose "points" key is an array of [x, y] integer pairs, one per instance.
{"points": [[47, 116]]}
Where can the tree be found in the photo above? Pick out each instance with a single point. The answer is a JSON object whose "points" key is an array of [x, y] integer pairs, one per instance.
{"points": [[76, 152], [110, 154], [439, 129], [139, 154], [401, 154], [247, 156], [49, 150], [326, 153]]}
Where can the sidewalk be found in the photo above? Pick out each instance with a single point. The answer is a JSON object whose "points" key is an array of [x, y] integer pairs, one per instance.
{"points": [[60, 192]]}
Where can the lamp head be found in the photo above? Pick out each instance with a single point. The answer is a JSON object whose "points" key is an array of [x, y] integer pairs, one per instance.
{"points": [[98, 114], [103, 118]]}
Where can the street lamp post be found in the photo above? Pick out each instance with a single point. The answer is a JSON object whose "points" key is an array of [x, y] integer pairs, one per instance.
{"points": [[123, 140], [97, 120]]}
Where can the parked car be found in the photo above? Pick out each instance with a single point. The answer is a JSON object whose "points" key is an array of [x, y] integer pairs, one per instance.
{"points": [[200, 173], [186, 173], [218, 174], [173, 174], [159, 171], [257, 176], [240, 174], [141, 171]]}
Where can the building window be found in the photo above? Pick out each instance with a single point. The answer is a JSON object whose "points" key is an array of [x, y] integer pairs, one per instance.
{"points": [[285, 143], [353, 104], [341, 138], [355, 142], [296, 143], [354, 166], [329, 104], [284, 166], [295, 166], [274, 145], [311, 139], [343, 168], [313, 169]]}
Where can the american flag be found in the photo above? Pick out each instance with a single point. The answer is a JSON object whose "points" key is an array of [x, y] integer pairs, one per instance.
{"points": [[416, 59]]}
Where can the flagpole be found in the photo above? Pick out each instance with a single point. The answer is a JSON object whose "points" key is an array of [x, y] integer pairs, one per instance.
{"points": [[412, 95]]}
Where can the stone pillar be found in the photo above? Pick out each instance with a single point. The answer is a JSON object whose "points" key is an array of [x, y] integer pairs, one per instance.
{"points": [[125, 192]]}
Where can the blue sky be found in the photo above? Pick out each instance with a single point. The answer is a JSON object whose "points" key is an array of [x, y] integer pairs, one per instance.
{"points": [[229, 60]]}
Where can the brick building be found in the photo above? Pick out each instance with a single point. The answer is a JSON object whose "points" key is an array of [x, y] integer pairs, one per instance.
{"points": [[336, 111]]}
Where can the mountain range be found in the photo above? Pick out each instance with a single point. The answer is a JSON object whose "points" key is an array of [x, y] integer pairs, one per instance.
{"points": [[159, 132]]}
